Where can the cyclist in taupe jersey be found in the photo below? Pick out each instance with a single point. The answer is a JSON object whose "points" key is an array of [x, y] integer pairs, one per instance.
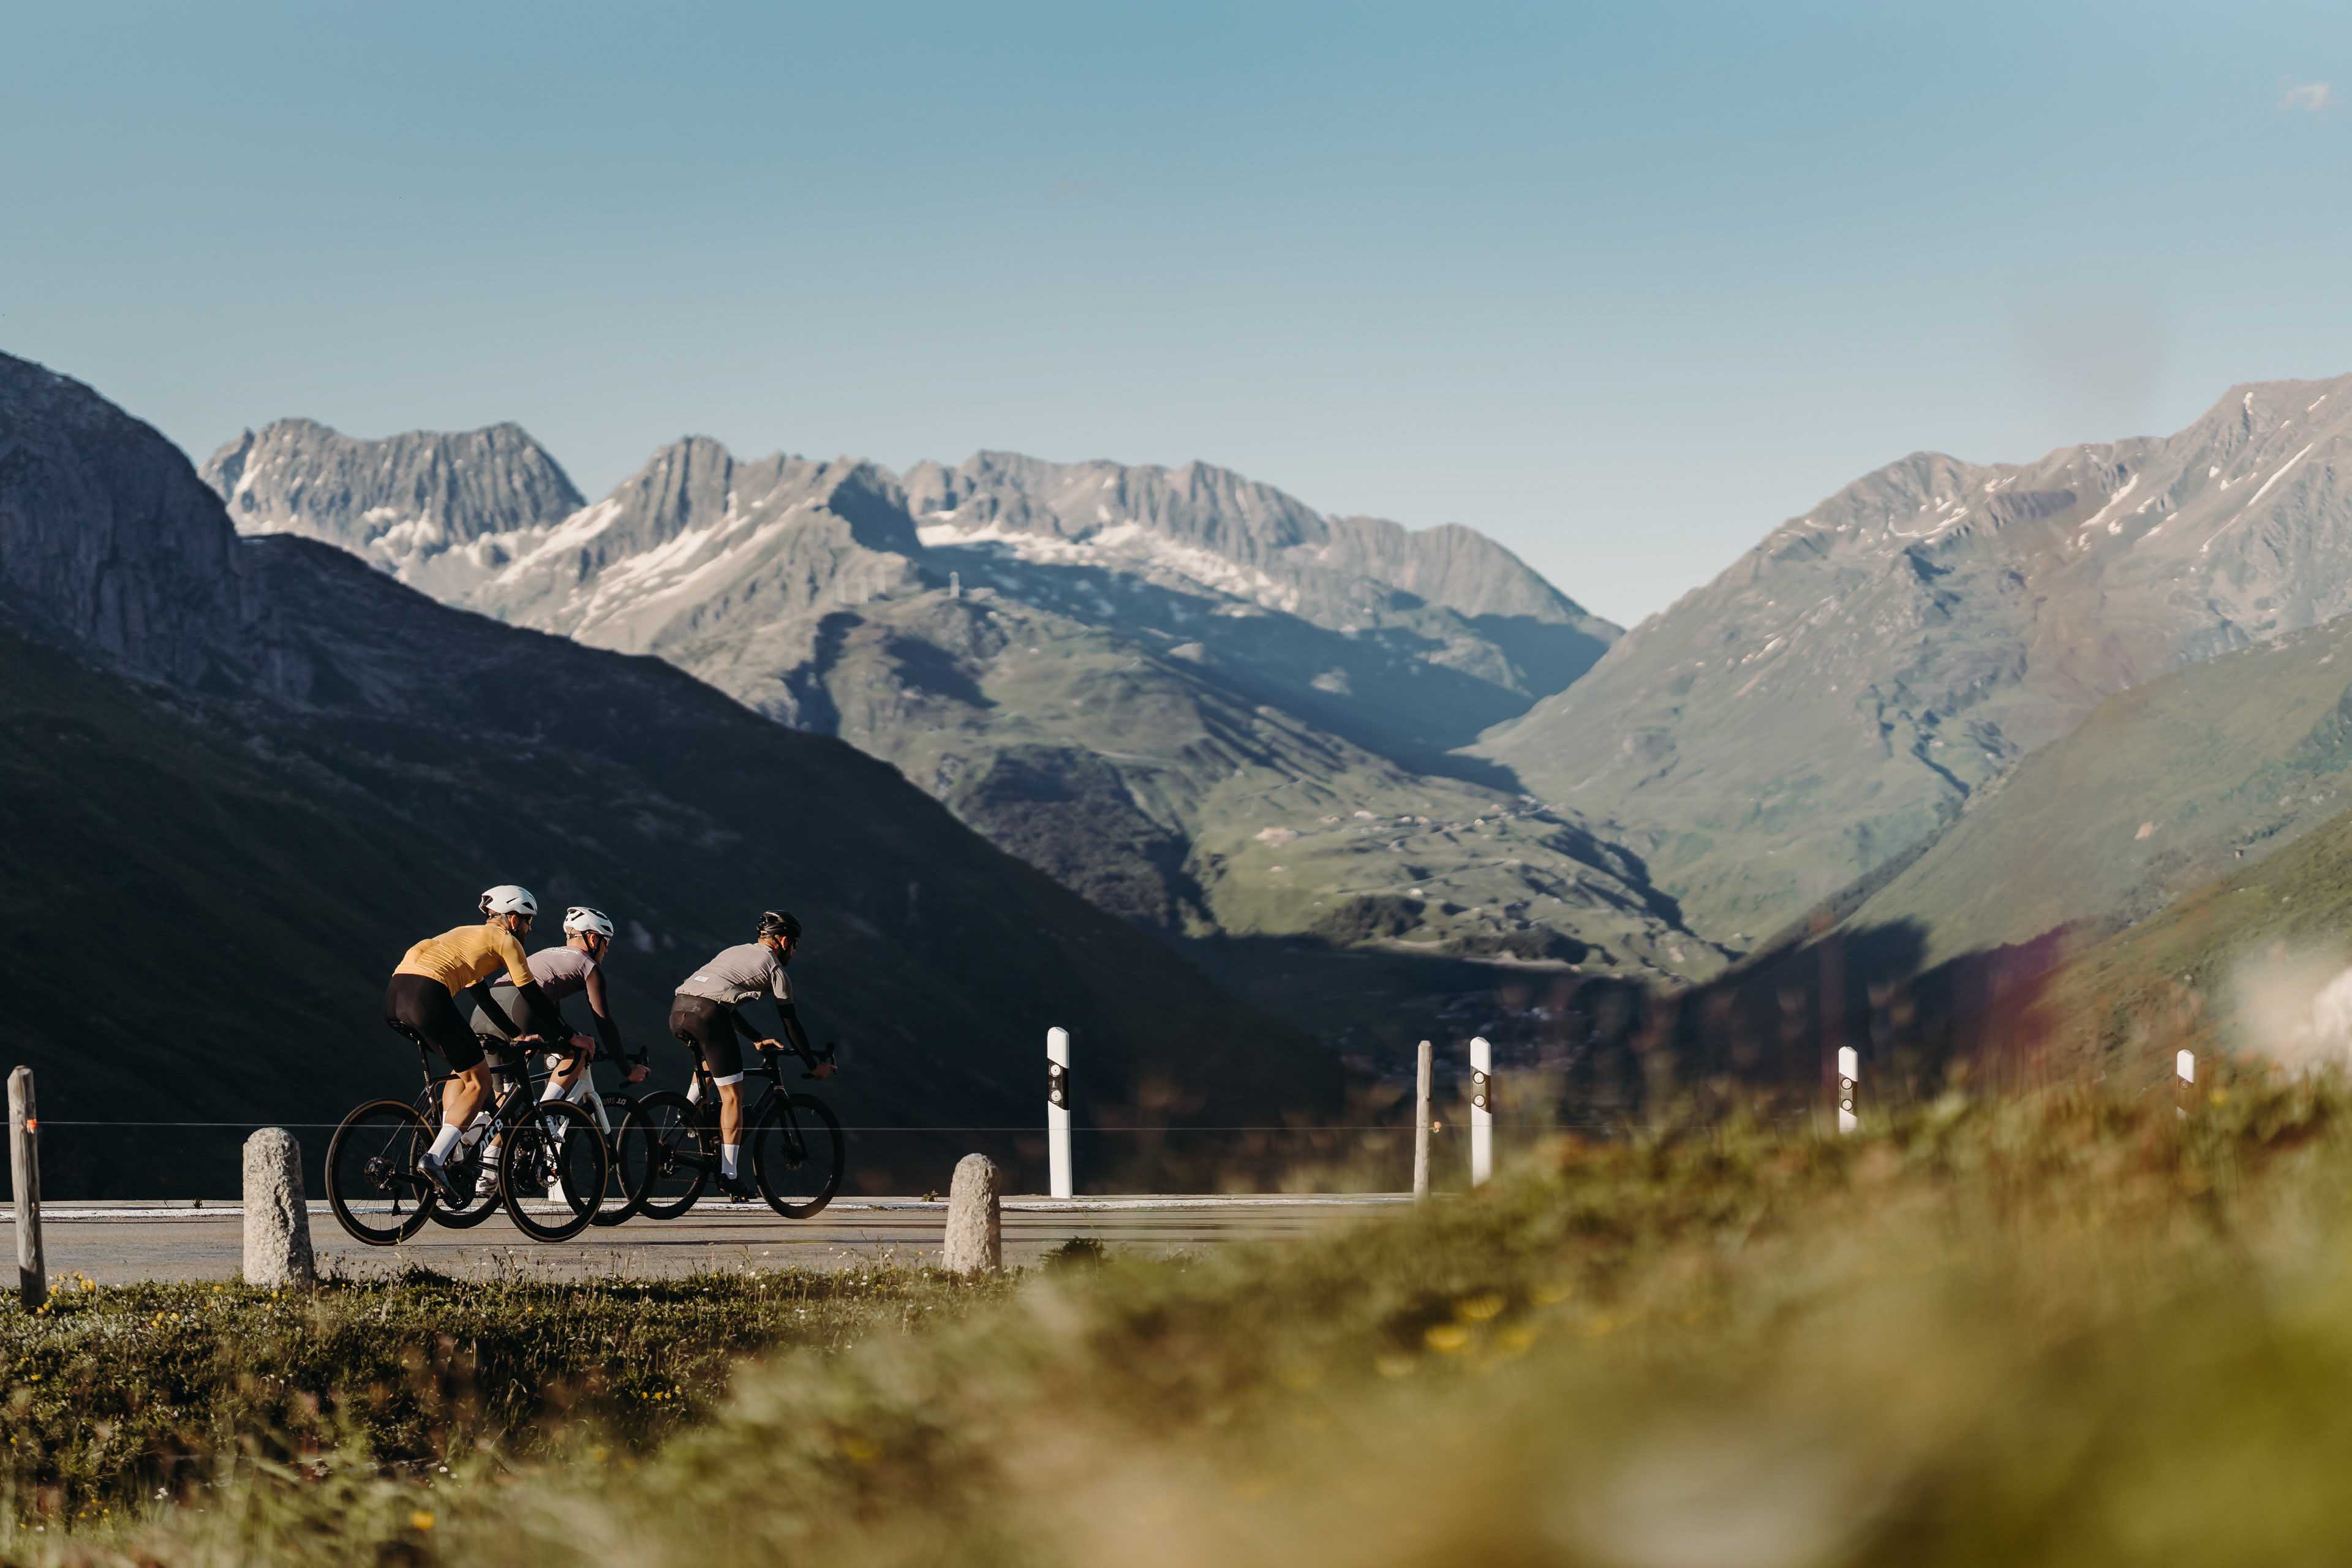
{"points": [[704, 1016]]}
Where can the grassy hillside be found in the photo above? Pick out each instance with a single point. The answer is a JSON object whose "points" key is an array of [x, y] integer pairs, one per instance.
{"points": [[2073, 1329], [2230, 968], [2163, 788]]}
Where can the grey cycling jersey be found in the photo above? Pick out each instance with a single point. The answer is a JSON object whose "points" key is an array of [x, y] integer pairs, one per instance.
{"points": [[741, 974], [560, 971]]}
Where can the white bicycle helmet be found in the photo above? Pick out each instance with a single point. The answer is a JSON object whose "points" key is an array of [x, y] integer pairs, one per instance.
{"points": [[506, 899], [580, 917]]}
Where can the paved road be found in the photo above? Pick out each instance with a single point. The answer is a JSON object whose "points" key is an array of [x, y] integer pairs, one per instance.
{"points": [[120, 1243]]}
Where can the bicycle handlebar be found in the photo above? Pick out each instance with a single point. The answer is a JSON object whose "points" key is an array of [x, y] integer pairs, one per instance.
{"points": [[570, 1053], [823, 1058]]}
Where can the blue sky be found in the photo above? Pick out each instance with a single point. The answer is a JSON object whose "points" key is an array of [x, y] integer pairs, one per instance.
{"points": [[1623, 286]]}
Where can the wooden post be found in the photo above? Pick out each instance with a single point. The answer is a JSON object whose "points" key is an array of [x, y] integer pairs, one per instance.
{"points": [[1057, 1113], [1421, 1076], [1482, 1110], [1849, 1095], [24, 1176]]}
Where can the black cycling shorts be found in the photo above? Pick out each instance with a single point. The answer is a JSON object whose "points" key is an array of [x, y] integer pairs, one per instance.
{"points": [[423, 1006], [708, 1029]]}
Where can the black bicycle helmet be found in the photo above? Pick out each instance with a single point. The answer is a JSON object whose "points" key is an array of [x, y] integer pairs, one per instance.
{"points": [[777, 923]]}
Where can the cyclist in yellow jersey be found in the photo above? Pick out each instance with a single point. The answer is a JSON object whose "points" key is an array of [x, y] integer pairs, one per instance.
{"points": [[422, 1000]]}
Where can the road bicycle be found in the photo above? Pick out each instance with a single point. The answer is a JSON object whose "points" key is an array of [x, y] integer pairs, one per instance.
{"points": [[471, 1157], [553, 1153], [792, 1138]]}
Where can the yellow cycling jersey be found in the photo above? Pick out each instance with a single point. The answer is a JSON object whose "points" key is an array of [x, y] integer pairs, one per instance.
{"points": [[467, 956]]}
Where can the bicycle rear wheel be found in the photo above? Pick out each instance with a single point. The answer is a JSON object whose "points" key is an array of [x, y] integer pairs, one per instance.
{"points": [[372, 1184], [798, 1154], [666, 1160], [557, 1150], [466, 1168]]}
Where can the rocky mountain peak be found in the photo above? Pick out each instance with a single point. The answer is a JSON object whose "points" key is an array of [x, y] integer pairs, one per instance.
{"points": [[421, 504], [107, 537]]}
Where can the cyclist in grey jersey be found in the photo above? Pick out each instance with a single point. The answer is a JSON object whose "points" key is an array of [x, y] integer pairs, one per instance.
{"points": [[567, 971], [559, 971], [705, 1018]]}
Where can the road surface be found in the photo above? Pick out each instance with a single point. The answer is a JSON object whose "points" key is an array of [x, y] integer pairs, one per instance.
{"points": [[121, 1243]]}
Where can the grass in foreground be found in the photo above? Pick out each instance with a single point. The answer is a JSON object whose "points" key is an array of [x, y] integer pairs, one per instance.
{"points": [[114, 1394], [2071, 1329]]}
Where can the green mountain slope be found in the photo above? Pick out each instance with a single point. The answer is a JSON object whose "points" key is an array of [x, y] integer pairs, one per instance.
{"points": [[2232, 967], [1839, 694], [2161, 789]]}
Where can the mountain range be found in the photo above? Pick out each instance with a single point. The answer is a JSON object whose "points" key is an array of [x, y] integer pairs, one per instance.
{"points": [[242, 775], [1193, 698], [1977, 701]]}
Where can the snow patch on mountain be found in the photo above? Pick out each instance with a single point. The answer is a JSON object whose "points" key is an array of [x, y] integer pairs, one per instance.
{"points": [[1125, 545]]}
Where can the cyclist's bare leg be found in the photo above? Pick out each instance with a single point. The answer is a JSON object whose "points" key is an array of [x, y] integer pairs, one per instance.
{"points": [[463, 1095], [731, 1128]]}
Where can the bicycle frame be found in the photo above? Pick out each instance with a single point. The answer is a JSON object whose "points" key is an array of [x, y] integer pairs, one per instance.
{"points": [[704, 1093]]}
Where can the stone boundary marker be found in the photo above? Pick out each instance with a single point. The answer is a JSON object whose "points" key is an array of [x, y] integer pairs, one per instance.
{"points": [[277, 1220], [975, 1239]]}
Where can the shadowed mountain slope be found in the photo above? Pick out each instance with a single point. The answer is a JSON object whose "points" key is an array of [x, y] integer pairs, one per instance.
{"points": [[320, 765]]}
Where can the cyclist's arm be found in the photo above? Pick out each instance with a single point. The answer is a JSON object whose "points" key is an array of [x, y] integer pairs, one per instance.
{"points": [[794, 1036], [608, 1032], [545, 1019], [480, 993], [794, 1033]]}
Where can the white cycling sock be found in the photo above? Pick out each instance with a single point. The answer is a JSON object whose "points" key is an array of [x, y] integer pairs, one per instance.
{"points": [[728, 1154], [553, 1091], [447, 1139]]}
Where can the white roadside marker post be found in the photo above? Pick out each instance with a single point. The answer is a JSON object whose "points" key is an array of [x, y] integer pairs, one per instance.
{"points": [[24, 1174], [1057, 1113], [1482, 1110], [2184, 1086], [1849, 1087], [1421, 1070]]}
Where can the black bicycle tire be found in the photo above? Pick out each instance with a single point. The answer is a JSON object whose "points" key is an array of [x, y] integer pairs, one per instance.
{"points": [[823, 1113], [616, 1172], [341, 1201], [473, 1214], [518, 1142], [689, 1117]]}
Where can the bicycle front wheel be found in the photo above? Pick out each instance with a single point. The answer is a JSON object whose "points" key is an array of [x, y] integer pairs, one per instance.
{"points": [[665, 1163], [373, 1183], [798, 1154], [552, 1171], [620, 1197]]}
